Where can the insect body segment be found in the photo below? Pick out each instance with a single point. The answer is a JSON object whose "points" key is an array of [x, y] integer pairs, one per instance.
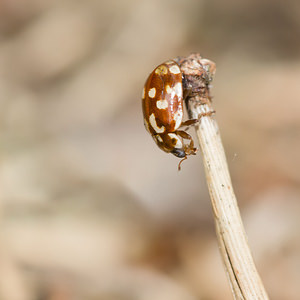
{"points": [[162, 103]]}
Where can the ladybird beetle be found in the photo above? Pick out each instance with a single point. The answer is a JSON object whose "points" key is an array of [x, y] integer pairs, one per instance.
{"points": [[162, 103]]}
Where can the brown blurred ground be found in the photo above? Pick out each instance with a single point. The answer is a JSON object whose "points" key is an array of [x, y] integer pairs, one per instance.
{"points": [[90, 207]]}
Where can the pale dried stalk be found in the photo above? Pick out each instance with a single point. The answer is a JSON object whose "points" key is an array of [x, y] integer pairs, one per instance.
{"points": [[243, 276]]}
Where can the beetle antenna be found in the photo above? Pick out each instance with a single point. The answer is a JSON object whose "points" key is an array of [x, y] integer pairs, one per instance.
{"points": [[179, 165]]}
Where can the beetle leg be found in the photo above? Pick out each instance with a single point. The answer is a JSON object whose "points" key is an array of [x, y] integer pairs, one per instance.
{"points": [[190, 149], [183, 134], [190, 122], [187, 92], [206, 114]]}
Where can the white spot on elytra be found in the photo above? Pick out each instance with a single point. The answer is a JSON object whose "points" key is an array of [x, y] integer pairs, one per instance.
{"points": [[175, 69], [153, 123], [169, 90], [158, 137], [162, 104], [178, 141], [152, 92], [178, 119], [161, 70], [178, 89]]}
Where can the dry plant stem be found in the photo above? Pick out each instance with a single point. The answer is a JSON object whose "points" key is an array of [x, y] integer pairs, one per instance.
{"points": [[244, 279], [243, 276]]}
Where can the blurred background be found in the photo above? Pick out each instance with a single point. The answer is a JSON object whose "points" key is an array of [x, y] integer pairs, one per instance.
{"points": [[90, 207]]}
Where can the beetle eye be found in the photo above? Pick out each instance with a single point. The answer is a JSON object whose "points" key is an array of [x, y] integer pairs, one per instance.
{"points": [[178, 152]]}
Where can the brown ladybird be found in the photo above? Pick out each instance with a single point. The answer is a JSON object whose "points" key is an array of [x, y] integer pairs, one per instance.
{"points": [[162, 103]]}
